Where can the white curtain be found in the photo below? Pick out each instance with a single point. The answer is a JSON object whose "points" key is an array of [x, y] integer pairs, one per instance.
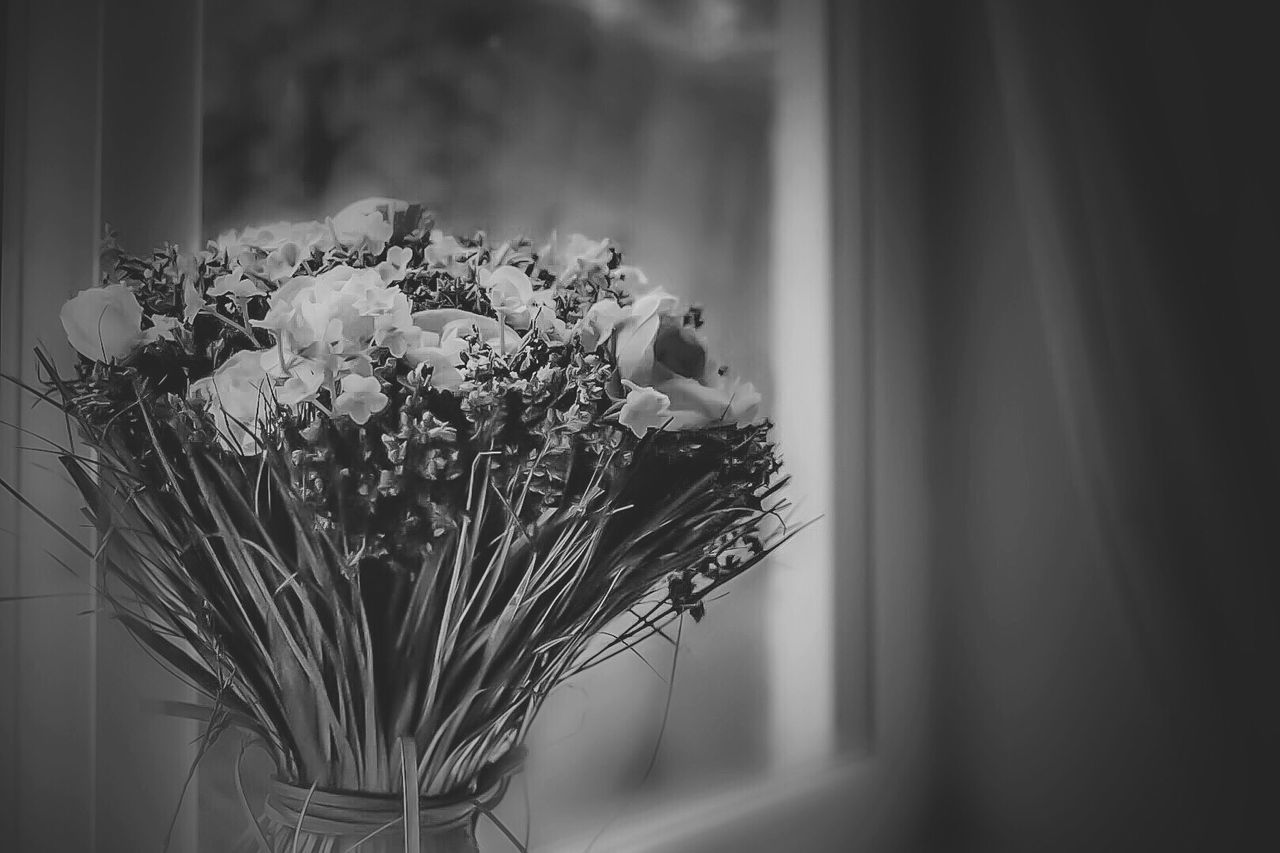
{"points": [[1109, 631]]}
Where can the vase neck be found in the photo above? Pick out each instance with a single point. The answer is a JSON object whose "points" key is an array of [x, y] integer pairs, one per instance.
{"points": [[335, 821]]}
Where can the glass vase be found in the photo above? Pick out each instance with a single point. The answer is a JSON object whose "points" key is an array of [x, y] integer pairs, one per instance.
{"points": [[326, 821]]}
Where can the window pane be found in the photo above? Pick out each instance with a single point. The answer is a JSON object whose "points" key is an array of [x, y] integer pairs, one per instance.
{"points": [[647, 122]]}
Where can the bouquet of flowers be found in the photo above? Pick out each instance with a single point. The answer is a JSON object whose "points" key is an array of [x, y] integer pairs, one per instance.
{"points": [[374, 490]]}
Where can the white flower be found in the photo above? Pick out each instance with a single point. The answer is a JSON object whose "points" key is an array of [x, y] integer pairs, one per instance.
{"points": [[238, 398], [396, 264], [163, 327], [392, 315], [446, 366], [601, 319], [369, 223], [361, 398], [264, 239], [281, 263], [578, 251], [644, 408], [395, 331], [443, 251], [630, 279], [236, 284], [696, 403], [444, 334], [334, 311], [103, 323], [373, 297], [298, 378], [192, 301], [304, 381], [513, 298], [655, 349], [275, 251], [636, 332], [454, 325], [507, 287], [437, 319], [304, 313]]}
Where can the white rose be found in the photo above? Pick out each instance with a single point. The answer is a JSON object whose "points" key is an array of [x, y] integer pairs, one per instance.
{"points": [[710, 400], [635, 333], [655, 349], [238, 395], [335, 311], [103, 323]]}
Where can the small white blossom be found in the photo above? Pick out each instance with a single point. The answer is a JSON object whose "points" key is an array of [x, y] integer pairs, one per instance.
{"points": [[644, 408], [396, 264], [396, 334], [303, 377], [283, 262], [442, 252], [236, 284], [192, 301], [361, 398], [162, 328]]}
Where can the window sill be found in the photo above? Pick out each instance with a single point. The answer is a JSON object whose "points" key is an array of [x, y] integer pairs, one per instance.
{"points": [[701, 822]]}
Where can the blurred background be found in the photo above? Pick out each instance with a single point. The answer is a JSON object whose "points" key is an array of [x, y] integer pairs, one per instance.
{"points": [[1006, 275]]}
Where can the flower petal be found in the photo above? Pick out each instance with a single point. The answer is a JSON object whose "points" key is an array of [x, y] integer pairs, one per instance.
{"points": [[103, 323], [644, 408]]}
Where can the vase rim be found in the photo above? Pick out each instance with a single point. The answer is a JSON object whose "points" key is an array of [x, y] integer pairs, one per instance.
{"points": [[333, 809]]}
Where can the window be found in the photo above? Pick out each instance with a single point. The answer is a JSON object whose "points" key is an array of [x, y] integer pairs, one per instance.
{"points": [[695, 134], [652, 123]]}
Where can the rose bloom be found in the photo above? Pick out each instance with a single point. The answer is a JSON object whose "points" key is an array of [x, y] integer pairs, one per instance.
{"points": [[656, 349], [238, 397], [103, 323], [342, 310]]}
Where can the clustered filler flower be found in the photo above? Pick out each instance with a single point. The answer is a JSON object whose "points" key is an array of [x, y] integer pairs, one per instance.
{"points": [[360, 481]]}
